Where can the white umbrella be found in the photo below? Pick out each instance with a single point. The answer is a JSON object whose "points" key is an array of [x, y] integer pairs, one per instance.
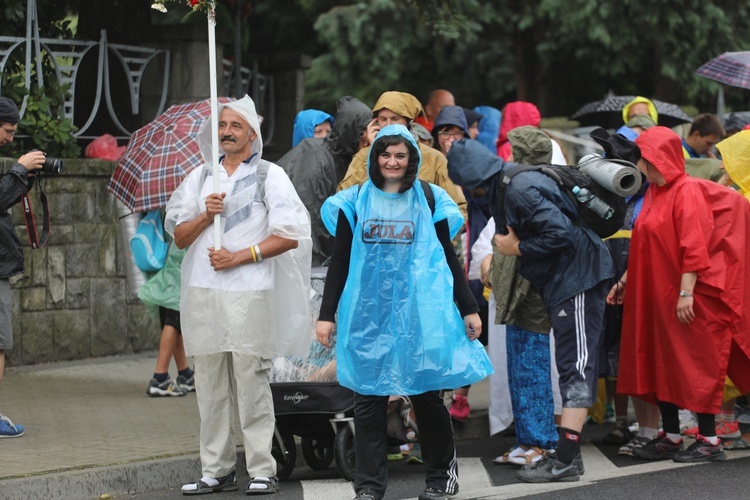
{"points": [[210, 8]]}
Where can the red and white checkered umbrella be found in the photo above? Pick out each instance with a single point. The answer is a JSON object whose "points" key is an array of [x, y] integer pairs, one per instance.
{"points": [[160, 155], [730, 68]]}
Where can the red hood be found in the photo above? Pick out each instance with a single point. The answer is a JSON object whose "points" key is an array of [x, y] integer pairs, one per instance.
{"points": [[517, 114], [663, 148]]}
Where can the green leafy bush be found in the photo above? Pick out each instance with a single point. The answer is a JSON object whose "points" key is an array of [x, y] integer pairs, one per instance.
{"points": [[43, 125]]}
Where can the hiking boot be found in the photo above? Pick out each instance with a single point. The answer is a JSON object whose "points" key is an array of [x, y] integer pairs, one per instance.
{"points": [[186, 384], [166, 388], [636, 442], [619, 436], [10, 430], [659, 448], [701, 451], [460, 409], [549, 469], [433, 494]]}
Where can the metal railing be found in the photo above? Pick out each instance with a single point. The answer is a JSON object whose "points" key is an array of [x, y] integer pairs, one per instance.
{"points": [[66, 57]]}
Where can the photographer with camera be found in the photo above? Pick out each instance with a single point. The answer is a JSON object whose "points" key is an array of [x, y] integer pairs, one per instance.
{"points": [[16, 182]]}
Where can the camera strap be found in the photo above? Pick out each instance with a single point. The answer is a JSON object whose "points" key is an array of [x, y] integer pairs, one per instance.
{"points": [[31, 222]]}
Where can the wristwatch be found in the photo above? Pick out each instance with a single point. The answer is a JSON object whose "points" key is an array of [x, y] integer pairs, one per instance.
{"points": [[683, 293]]}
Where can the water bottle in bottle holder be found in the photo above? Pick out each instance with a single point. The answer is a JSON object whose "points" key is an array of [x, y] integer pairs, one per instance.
{"points": [[597, 205]]}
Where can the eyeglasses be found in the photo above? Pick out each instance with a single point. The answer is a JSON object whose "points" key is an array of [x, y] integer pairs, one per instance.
{"points": [[10, 133], [458, 135]]}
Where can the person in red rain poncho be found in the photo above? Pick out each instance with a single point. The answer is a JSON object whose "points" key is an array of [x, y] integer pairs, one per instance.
{"points": [[515, 114], [686, 297]]}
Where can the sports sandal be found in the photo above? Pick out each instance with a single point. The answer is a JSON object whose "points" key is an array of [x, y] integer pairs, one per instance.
{"points": [[531, 456], [506, 458], [262, 486], [204, 486]]}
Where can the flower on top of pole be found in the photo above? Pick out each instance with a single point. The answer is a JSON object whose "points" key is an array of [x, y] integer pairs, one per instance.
{"points": [[208, 6]]}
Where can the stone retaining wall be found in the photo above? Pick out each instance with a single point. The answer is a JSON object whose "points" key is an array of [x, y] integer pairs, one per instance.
{"points": [[73, 300]]}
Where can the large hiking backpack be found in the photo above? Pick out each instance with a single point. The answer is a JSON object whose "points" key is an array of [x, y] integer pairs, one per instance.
{"points": [[567, 178]]}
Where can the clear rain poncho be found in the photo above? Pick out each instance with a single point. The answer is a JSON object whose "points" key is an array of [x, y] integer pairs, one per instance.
{"points": [[262, 308], [399, 330]]}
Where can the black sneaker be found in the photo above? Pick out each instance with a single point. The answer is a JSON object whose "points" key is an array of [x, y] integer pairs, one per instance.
{"points": [[701, 451], [548, 470], [433, 494], [578, 461], [659, 448]]}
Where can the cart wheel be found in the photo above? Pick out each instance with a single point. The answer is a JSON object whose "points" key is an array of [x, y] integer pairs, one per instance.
{"points": [[285, 456], [343, 449], [318, 454]]}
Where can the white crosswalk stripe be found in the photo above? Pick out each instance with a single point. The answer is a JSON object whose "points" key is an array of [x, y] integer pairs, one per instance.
{"points": [[327, 489], [476, 483], [472, 475]]}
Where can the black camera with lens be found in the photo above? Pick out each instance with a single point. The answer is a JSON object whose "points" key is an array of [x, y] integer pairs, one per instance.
{"points": [[51, 165]]}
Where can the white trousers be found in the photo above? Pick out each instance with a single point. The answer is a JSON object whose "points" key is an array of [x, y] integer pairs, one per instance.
{"points": [[228, 384]]}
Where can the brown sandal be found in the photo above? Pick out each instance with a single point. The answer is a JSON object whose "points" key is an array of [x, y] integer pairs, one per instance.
{"points": [[507, 459], [533, 455]]}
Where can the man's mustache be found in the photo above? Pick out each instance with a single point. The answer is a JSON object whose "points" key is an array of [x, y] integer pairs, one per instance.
{"points": [[228, 138]]}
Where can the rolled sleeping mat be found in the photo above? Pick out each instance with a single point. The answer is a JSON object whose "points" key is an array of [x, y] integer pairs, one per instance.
{"points": [[618, 176]]}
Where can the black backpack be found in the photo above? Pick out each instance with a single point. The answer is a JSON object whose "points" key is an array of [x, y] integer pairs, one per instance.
{"points": [[567, 178]]}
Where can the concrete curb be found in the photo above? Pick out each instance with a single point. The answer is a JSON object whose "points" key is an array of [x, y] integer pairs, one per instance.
{"points": [[136, 477]]}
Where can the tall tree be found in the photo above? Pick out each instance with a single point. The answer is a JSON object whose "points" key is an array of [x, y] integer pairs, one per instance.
{"points": [[557, 53]]}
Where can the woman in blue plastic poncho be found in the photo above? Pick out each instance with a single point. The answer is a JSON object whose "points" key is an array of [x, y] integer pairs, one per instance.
{"points": [[394, 276]]}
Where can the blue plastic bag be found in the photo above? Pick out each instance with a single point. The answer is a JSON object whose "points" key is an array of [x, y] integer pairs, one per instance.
{"points": [[148, 245]]}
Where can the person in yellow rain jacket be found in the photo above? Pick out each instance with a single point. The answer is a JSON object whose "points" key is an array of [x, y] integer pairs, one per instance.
{"points": [[401, 108]]}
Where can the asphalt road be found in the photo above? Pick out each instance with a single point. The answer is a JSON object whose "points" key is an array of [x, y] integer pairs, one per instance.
{"points": [[609, 476]]}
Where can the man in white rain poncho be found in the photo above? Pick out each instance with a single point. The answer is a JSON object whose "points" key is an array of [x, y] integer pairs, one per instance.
{"points": [[245, 302]]}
